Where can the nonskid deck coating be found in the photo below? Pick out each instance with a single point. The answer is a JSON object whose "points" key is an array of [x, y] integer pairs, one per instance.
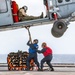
{"points": [[36, 73]]}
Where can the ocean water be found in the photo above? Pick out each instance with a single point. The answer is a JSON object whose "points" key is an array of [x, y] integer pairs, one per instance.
{"points": [[57, 58], [62, 58]]}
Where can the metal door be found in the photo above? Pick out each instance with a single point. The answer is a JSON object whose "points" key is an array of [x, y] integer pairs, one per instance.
{"points": [[5, 12]]}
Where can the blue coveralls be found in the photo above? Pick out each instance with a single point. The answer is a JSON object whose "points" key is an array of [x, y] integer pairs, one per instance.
{"points": [[32, 54]]}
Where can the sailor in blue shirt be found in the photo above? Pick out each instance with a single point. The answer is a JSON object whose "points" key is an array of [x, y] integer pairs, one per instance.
{"points": [[33, 47]]}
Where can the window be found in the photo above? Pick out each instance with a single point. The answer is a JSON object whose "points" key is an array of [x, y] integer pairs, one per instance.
{"points": [[45, 1], [60, 1], [3, 7], [67, 0]]}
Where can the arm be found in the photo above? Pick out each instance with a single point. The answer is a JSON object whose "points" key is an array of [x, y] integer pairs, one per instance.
{"points": [[29, 43], [32, 45], [41, 51]]}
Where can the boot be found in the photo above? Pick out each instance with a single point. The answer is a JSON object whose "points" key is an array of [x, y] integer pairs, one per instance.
{"points": [[40, 69], [46, 16], [52, 69], [41, 16], [27, 69]]}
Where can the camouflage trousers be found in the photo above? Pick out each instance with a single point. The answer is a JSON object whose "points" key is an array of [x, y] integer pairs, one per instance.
{"points": [[25, 18]]}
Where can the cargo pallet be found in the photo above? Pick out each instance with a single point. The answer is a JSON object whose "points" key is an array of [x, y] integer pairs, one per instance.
{"points": [[17, 61]]}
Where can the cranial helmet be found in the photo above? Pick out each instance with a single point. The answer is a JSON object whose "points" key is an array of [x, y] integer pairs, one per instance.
{"points": [[44, 44], [25, 8], [35, 40]]}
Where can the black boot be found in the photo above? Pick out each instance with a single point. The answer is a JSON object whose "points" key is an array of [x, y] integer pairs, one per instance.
{"points": [[52, 69], [40, 69], [27, 69], [41, 16]]}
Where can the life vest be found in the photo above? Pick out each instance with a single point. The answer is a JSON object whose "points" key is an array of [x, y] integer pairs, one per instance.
{"points": [[47, 52], [15, 11]]}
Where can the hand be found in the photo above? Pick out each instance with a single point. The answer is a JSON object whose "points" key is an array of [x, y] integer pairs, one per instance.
{"points": [[27, 27], [38, 51]]}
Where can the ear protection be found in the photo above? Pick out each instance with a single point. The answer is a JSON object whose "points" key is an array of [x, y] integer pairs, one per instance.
{"points": [[25, 8]]}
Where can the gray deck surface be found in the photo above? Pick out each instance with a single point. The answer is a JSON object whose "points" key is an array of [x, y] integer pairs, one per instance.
{"points": [[58, 71], [35, 73]]}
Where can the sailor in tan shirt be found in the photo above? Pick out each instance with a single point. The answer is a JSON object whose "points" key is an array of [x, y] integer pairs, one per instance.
{"points": [[24, 17]]}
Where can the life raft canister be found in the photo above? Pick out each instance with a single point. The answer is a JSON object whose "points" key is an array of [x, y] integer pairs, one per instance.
{"points": [[48, 51], [15, 11]]}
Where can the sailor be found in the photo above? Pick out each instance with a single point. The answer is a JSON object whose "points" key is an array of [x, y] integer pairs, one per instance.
{"points": [[24, 17], [47, 52], [32, 53]]}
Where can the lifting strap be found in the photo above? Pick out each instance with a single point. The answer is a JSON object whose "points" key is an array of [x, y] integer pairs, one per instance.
{"points": [[29, 33]]}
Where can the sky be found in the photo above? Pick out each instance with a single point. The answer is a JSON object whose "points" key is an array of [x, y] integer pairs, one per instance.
{"points": [[14, 40]]}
